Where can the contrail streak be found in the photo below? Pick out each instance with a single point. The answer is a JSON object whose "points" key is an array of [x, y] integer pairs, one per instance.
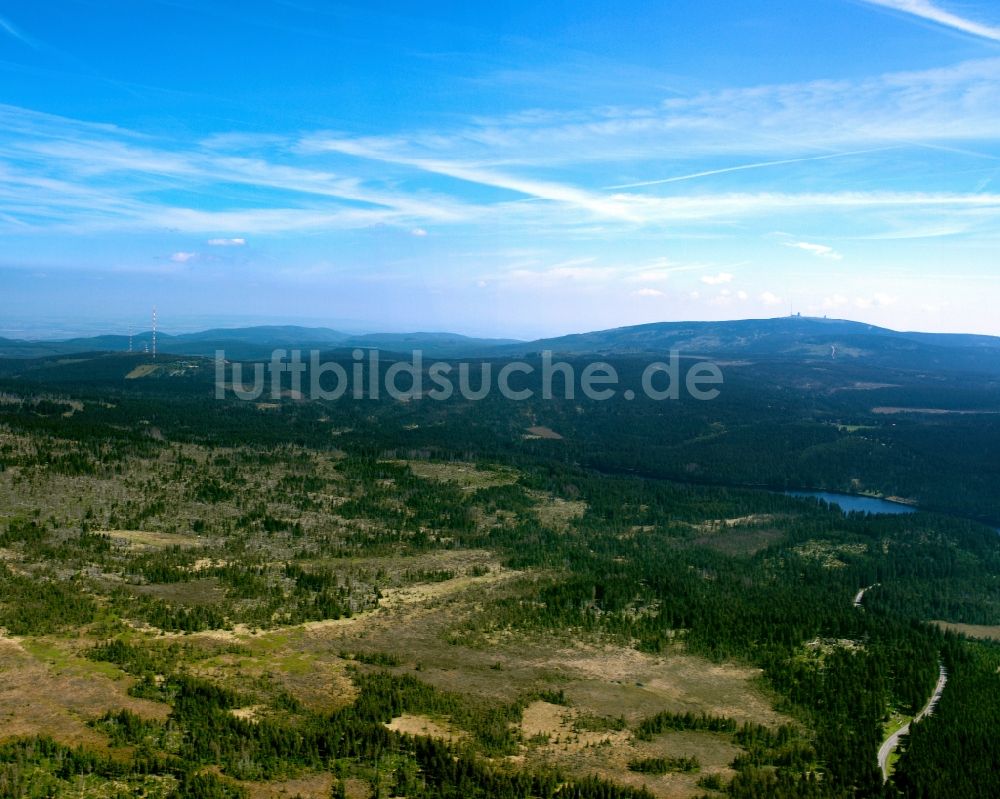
{"points": [[742, 167], [12, 31]]}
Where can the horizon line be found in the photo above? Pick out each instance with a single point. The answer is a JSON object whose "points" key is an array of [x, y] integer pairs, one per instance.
{"points": [[349, 335]]}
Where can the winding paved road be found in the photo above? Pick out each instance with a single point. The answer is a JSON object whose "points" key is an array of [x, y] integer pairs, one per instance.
{"points": [[890, 743]]}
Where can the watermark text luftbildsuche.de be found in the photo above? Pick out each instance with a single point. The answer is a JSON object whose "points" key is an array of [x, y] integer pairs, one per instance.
{"points": [[362, 376]]}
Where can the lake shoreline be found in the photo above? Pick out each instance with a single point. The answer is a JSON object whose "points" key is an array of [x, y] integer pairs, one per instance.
{"points": [[857, 503]]}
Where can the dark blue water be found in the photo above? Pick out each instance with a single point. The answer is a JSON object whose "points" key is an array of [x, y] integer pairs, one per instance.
{"points": [[854, 503]]}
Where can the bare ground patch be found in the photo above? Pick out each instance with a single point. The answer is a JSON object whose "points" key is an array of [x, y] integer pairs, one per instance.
{"points": [[322, 684], [752, 520], [142, 370], [205, 591], [466, 475], [45, 689], [557, 512], [746, 541], [554, 727], [305, 659], [991, 632], [249, 713], [614, 680], [409, 724], [741, 535], [422, 627], [554, 738], [539, 431], [315, 786], [144, 539]]}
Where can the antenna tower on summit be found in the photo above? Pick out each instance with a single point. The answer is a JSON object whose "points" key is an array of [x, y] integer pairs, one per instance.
{"points": [[154, 332]]}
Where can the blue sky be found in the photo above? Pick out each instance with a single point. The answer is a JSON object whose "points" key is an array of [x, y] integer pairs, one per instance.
{"points": [[505, 168]]}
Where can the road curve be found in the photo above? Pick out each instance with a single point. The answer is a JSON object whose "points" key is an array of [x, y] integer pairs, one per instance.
{"points": [[860, 596], [890, 743]]}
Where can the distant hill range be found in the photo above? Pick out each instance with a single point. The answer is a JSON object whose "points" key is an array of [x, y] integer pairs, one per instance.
{"points": [[785, 338], [255, 342], [794, 338]]}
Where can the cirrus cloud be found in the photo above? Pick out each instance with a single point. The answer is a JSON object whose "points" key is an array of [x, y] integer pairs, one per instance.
{"points": [[819, 250], [934, 13]]}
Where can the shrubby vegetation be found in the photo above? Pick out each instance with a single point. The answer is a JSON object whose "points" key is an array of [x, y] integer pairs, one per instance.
{"points": [[663, 765]]}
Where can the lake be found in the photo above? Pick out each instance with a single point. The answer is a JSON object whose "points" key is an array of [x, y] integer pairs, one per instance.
{"points": [[854, 503]]}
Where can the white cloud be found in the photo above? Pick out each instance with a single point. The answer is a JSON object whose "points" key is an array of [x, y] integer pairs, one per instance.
{"points": [[742, 295], [600, 205], [261, 220], [930, 11], [226, 242], [419, 232], [779, 122], [819, 250], [717, 280], [648, 292], [660, 270], [835, 301], [183, 257], [877, 300], [770, 298], [578, 271]]}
